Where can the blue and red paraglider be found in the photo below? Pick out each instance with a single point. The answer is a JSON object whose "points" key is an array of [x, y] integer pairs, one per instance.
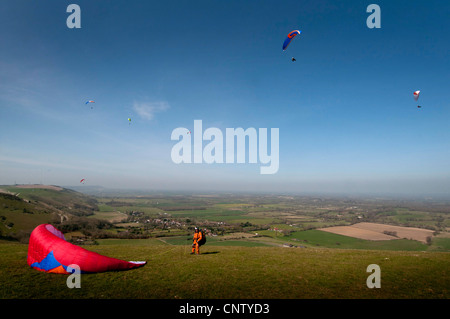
{"points": [[90, 101], [288, 40], [48, 251]]}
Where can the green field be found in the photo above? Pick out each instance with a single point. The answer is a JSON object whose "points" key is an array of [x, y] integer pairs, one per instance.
{"points": [[235, 272], [329, 240], [258, 246]]}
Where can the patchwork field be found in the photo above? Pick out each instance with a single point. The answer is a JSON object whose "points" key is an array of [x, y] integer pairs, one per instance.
{"points": [[375, 231]]}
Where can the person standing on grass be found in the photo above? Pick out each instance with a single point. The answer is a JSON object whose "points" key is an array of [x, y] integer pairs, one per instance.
{"points": [[195, 244]]}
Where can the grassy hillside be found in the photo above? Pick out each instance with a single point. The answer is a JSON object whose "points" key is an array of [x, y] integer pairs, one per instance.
{"points": [[24, 207], [19, 215], [235, 263], [235, 272]]}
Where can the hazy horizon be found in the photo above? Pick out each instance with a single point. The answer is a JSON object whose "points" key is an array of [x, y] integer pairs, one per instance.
{"points": [[97, 190]]}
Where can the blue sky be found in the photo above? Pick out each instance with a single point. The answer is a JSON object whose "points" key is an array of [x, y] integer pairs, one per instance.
{"points": [[345, 110]]}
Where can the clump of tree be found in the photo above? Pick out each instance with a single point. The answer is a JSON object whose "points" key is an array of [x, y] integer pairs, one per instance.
{"points": [[84, 225], [390, 233], [21, 236], [26, 211], [246, 224]]}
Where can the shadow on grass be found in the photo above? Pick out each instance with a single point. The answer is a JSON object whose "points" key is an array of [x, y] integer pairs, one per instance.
{"points": [[209, 253]]}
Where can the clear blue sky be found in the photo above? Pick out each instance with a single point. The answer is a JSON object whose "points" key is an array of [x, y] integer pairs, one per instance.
{"points": [[345, 109]]}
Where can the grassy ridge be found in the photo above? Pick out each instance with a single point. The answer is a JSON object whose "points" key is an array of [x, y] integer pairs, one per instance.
{"points": [[22, 209], [235, 272]]}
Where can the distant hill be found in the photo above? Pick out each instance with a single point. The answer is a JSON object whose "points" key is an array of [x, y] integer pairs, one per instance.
{"points": [[23, 207]]}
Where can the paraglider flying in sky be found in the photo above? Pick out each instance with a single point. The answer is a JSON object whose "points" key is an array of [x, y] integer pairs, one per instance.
{"points": [[129, 121], [288, 40], [82, 180], [90, 101], [416, 97]]}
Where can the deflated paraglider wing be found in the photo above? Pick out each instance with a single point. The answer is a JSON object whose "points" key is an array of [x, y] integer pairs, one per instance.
{"points": [[48, 251], [289, 38]]}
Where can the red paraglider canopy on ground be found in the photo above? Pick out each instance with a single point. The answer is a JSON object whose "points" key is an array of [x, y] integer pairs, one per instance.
{"points": [[48, 251]]}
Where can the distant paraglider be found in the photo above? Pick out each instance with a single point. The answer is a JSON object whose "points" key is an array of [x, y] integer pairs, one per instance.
{"points": [[129, 121], [90, 101], [288, 40], [82, 181], [416, 97]]}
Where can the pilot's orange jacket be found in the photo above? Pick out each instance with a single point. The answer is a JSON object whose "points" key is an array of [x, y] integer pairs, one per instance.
{"points": [[197, 237], [195, 245]]}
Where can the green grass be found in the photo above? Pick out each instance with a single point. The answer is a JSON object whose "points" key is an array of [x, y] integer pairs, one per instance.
{"points": [[20, 214], [235, 272], [441, 244], [109, 215], [211, 241], [330, 240], [240, 243], [133, 242]]}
